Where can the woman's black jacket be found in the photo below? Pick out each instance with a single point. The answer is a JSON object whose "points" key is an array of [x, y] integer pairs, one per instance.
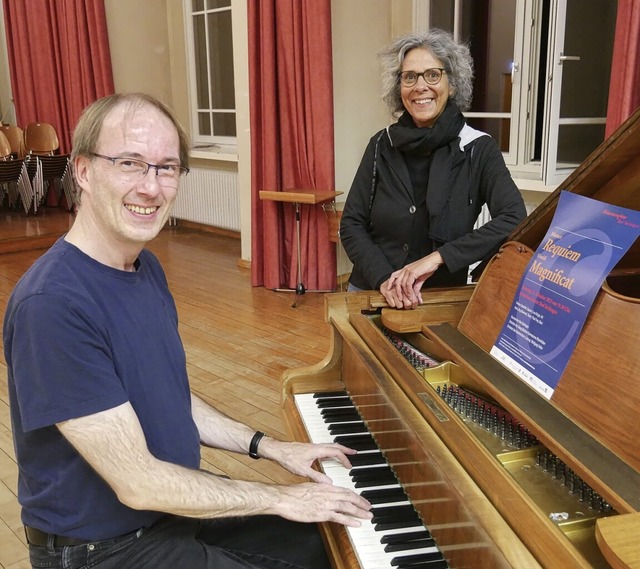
{"points": [[376, 237]]}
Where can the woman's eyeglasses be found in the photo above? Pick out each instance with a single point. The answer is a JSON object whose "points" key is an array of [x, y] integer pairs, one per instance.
{"points": [[431, 76]]}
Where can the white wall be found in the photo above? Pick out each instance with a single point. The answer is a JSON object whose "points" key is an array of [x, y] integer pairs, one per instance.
{"points": [[360, 28], [139, 45], [7, 110]]}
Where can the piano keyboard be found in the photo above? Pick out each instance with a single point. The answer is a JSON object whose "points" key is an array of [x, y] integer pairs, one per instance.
{"points": [[395, 537]]}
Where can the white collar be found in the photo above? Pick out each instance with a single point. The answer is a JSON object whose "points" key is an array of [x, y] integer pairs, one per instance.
{"points": [[468, 134]]}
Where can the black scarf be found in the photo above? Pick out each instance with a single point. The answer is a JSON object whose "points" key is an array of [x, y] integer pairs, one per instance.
{"points": [[442, 141], [407, 137]]}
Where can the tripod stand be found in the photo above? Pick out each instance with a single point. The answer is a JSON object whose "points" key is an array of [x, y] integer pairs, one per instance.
{"points": [[297, 198]]}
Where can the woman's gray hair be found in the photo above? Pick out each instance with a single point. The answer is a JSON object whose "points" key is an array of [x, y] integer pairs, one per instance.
{"points": [[455, 58]]}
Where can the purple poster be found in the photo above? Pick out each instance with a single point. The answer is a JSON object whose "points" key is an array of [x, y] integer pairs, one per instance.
{"points": [[584, 242]]}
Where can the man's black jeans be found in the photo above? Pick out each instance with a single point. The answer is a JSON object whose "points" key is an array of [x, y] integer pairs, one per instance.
{"points": [[265, 542]]}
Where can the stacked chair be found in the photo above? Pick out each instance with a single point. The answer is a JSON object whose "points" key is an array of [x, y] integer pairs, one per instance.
{"points": [[31, 168], [50, 173], [41, 138], [5, 148], [15, 136], [48, 170], [15, 186]]}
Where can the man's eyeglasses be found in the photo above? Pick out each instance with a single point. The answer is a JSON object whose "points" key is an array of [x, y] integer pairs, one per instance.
{"points": [[431, 76], [166, 174]]}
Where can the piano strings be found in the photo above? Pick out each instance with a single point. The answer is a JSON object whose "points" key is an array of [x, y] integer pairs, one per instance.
{"points": [[506, 434]]}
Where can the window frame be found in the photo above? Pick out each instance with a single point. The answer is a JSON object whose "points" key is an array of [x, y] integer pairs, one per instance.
{"points": [[543, 173], [203, 140]]}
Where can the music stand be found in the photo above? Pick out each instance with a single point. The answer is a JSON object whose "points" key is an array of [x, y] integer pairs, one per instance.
{"points": [[297, 198]]}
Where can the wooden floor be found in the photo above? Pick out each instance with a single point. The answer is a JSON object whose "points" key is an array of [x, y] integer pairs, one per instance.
{"points": [[239, 339], [20, 232]]}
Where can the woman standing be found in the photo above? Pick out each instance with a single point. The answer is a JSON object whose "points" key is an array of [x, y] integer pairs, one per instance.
{"points": [[409, 216]]}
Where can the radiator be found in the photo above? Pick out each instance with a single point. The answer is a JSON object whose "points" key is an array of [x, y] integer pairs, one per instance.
{"points": [[209, 197]]}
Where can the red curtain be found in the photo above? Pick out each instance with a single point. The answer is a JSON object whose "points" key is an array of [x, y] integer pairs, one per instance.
{"points": [[59, 60], [624, 89], [291, 98]]}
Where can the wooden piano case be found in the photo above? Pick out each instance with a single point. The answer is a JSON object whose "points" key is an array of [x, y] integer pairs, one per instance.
{"points": [[568, 499], [467, 527]]}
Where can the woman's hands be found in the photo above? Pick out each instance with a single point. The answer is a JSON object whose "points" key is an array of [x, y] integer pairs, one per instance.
{"points": [[402, 288]]}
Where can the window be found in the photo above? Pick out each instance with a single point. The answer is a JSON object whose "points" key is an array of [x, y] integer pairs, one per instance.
{"points": [[542, 72], [211, 79]]}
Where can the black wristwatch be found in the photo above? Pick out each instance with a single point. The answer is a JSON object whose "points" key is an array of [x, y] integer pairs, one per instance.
{"points": [[253, 445]]}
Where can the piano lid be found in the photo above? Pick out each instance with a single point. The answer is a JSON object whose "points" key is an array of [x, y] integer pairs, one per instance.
{"points": [[598, 389]]}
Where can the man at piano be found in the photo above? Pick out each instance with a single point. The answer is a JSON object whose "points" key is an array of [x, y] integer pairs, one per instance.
{"points": [[409, 217], [106, 432]]}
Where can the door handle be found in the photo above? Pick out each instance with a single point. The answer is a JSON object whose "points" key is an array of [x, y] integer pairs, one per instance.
{"points": [[564, 57]]}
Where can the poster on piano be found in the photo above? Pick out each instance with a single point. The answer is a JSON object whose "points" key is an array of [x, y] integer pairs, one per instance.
{"points": [[584, 242]]}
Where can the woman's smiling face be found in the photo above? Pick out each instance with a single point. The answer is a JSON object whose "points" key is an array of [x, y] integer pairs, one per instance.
{"points": [[422, 101]]}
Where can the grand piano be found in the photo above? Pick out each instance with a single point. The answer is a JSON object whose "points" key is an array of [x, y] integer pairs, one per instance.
{"points": [[465, 464]]}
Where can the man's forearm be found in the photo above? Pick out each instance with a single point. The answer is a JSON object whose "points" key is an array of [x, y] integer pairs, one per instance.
{"points": [[113, 443], [217, 430], [200, 494]]}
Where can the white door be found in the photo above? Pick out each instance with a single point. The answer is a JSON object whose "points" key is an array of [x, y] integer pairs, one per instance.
{"points": [[542, 77], [577, 83]]}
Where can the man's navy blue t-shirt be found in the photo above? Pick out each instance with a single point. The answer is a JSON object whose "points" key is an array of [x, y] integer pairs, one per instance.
{"points": [[79, 338]]}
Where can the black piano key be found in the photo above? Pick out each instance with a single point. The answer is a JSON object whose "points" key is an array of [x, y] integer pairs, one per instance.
{"points": [[370, 471], [357, 442], [334, 402], [340, 416], [396, 518], [382, 481], [331, 395], [393, 538], [409, 560], [343, 418], [338, 403], [369, 479], [348, 428], [386, 511], [384, 495], [436, 564], [367, 459], [409, 515], [339, 419], [403, 546], [384, 526]]}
